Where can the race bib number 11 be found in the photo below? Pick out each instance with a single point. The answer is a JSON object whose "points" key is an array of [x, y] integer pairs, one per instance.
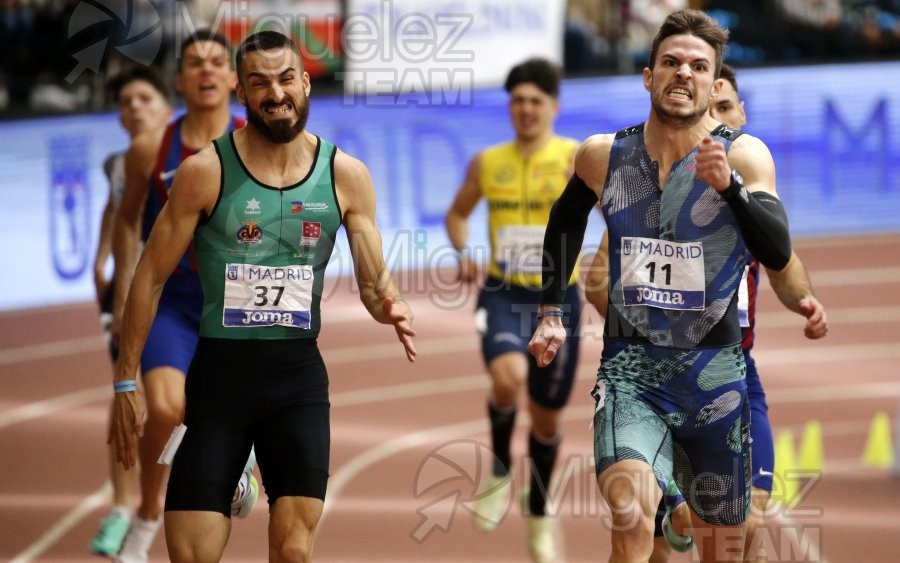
{"points": [[663, 274], [258, 296]]}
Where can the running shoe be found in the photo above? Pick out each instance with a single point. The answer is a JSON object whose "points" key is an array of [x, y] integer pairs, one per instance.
{"points": [[541, 543], [111, 534], [493, 502], [245, 495], [672, 498], [136, 548]]}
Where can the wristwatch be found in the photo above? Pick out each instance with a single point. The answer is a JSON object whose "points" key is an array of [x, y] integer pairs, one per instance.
{"points": [[735, 188]]}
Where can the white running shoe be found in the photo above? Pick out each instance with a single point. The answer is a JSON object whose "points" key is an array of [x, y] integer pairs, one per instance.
{"points": [[493, 502], [245, 495], [541, 543], [136, 548]]}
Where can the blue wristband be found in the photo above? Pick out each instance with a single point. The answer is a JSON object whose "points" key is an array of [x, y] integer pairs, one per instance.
{"points": [[550, 313], [125, 386]]}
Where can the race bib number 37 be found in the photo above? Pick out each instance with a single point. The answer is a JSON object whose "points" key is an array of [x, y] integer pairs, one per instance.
{"points": [[267, 295], [663, 274]]}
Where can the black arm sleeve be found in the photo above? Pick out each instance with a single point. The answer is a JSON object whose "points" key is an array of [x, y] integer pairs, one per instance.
{"points": [[563, 238], [763, 222]]}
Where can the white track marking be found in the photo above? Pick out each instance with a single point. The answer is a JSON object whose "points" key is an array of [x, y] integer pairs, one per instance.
{"points": [[90, 503], [846, 315], [54, 405]]}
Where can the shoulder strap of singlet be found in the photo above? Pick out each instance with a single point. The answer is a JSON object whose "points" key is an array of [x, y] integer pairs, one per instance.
{"points": [[628, 131], [727, 132]]}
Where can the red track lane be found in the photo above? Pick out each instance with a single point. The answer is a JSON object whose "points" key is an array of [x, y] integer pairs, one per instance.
{"points": [[406, 437]]}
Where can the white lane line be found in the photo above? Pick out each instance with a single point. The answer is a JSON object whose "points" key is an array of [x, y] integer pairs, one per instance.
{"points": [[344, 314], [842, 316], [54, 405], [394, 350], [847, 315], [856, 241], [827, 354], [460, 384], [361, 462], [813, 551], [99, 497], [347, 472], [47, 350], [854, 276], [471, 382]]}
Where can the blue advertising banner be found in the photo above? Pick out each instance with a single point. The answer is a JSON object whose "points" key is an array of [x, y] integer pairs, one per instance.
{"points": [[829, 129]]}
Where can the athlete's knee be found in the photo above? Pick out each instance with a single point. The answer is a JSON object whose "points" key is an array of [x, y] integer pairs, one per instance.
{"points": [[597, 296], [508, 373], [628, 512], [632, 494], [544, 421], [295, 548], [165, 414]]}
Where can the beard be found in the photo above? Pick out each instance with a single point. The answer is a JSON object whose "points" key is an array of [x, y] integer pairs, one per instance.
{"points": [[280, 131], [676, 119]]}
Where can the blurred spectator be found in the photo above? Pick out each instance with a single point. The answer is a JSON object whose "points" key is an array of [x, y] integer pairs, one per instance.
{"points": [[40, 39], [18, 64], [756, 29], [581, 36], [643, 20], [592, 35], [813, 28], [872, 27]]}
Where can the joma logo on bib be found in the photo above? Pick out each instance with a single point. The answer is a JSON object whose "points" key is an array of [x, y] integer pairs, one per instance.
{"points": [[659, 296], [267, 318]]}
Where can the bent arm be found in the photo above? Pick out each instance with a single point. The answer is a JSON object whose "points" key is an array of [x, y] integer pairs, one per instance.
{"points": [[568, 218], [172, 232], [793, 287], [169, 240], [759, 213], [791, 284]]}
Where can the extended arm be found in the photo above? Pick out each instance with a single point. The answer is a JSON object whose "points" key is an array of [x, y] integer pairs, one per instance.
{"points": [[126, 236], [194, 191], [376, 287]]}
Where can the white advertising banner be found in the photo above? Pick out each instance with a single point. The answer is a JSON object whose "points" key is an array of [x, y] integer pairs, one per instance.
{"points": [[419, 47]]}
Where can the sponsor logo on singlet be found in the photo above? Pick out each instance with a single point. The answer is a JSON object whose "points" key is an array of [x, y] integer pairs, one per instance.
{"points": [[249, 233]]}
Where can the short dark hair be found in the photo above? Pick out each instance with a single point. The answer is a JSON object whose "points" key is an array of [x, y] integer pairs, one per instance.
{"points": [[129, 74], [727, 73], [540, 72], [264, 41], [204, 34], [692, 22]]}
